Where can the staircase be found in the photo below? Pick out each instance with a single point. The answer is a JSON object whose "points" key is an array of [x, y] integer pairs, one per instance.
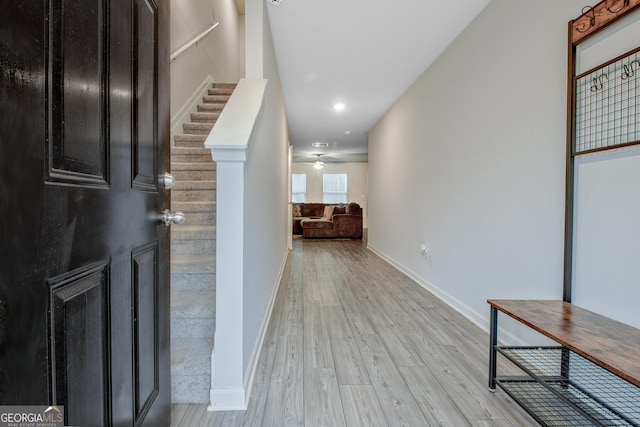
{"points": [[193, 244]]}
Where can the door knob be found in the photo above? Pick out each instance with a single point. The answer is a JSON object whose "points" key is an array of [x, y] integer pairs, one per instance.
{"points": [[169, 217], [168, 181]]}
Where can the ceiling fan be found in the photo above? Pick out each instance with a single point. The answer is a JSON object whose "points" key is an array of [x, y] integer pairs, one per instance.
{"points": [[318, 164], [318, 160]]}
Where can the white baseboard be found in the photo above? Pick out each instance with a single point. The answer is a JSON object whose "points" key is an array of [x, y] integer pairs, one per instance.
{"points": [[182, 115], [252, 366], [227, 399]]}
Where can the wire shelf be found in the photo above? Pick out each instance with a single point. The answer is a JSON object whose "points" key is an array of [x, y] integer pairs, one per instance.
{"points": [[608, 105], [566, 389]]}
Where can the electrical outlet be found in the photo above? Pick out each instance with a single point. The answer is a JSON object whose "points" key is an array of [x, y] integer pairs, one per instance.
{"points": [[424, 250]]}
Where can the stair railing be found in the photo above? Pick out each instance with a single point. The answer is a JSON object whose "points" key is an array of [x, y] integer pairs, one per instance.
{"points": [[193, 41]]}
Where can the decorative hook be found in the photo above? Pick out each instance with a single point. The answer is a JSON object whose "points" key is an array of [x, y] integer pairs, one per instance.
{"points": [[592, 19], [625, 3], [628, 71], [598, 82]]}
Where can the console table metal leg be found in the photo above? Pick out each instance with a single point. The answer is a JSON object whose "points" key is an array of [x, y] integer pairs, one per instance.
{"points": [[493, 343]]}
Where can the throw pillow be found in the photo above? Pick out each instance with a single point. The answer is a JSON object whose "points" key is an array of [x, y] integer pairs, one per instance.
{"points": [[328, 211], [297, 211]]}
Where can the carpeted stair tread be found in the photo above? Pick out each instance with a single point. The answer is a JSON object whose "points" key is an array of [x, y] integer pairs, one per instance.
{"points": [[205, 117], [197, 128], [189, 137], [225, 85], [193, 264], [193, 304], [195, 206], [215, 98], [190, 356], [193, 282], [192, 260], [220, 91], [193, 166], [190, 150], [211, 107], [194, 185], [194, 232]]}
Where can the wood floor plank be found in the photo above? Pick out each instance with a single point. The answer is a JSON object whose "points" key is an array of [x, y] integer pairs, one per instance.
{"points": [[291, 316], [285, 404], [389, 329], [177, 413], [356, 313], [323, 407], [348, 362], [317, 347], [361, 406], [396, 400], [438, 407]]}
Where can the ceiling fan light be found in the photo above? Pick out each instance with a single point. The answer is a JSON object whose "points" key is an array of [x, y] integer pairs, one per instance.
{"points": [[318, 164]]}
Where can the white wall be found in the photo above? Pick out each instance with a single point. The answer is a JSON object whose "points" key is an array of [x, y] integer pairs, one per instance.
{"points": [[471, 161], [266, 191], [357, 182], [214, 56]]}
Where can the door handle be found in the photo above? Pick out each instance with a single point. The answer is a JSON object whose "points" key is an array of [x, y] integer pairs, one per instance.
{"points": [[168, 181], [169, 217]]}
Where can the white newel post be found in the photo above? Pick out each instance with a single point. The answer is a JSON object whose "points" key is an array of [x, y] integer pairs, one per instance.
{"points": [[227, 368], [228, 142]]}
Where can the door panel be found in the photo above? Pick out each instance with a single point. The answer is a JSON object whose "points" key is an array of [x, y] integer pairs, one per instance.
{"points": [[76, 91], [145, 37], [145, 308], [84, 133], [79, 324]]}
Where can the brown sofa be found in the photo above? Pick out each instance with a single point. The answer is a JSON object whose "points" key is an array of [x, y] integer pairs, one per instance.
{"points": [[310, 221]]}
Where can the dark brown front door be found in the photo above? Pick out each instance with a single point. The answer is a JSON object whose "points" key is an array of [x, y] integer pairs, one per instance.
{"points": [[84, 283]]}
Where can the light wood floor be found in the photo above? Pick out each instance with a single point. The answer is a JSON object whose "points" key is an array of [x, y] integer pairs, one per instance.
{"points": [[353, 342]]}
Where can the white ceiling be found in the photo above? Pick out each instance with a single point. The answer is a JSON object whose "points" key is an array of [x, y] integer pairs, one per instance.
{"points": [[363, 53]]}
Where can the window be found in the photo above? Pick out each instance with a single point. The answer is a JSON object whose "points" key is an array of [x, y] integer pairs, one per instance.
{"points": [[334, 188], [299, 188]]}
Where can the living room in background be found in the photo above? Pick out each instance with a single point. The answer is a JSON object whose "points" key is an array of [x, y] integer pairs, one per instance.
{"points": [[299, 187], [334, 188]]}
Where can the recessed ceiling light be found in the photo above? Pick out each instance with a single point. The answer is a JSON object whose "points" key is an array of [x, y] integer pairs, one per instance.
{"points": [[319, 144], [339, 106]]}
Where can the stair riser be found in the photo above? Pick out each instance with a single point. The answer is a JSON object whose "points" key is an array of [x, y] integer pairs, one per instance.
{"points": [[200, 151], [225, 85], [200, 311], [193, 195], [189, 144], [191, 158], [192, 328], [204, 117], [215, 99], [193, 282], [211, 107], [183, 137], [194, 207], [220, 91], [193, 247], [198, 131], [182, 175], [190, 389], [200, 218]]}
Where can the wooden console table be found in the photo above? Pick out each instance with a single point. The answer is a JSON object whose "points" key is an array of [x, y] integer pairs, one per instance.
{"points": [[591, 378]]}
